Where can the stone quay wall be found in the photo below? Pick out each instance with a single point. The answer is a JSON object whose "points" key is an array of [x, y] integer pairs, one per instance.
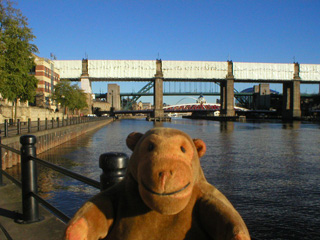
{"points": [[26, 112], [48, 139]]}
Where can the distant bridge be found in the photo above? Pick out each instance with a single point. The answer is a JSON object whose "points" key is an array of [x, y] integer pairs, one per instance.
{"points": [[178, 108], [136, 70], [193, 107], [226, 73], [103, 95]]}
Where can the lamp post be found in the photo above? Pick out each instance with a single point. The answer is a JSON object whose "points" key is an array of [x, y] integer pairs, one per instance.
{"points": [[63, 104], [112, 98], [112, 108]]}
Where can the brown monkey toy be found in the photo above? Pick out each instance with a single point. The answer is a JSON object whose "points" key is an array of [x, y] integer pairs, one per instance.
{"points": [[163, 196]]}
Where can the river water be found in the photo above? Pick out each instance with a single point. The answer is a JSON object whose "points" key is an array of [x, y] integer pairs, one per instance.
{"points": [[270, 171]]}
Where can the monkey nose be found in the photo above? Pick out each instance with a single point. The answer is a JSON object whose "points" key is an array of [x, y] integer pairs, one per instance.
{"points": [[164, 176]]}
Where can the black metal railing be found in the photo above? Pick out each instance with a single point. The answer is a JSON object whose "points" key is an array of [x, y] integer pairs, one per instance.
{"points": [[10, 128], [113, 165]]}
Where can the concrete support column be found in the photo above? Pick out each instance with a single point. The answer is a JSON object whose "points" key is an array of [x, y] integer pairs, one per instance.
{"points": [[291, 96], [85, 82], [158, 92], [113, 96], [291, 100], [227, 93], [86, 86]]}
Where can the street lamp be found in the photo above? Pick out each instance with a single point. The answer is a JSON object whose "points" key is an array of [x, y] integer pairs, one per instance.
{"points": [[112, 98], [112, 108], [63, 104]]}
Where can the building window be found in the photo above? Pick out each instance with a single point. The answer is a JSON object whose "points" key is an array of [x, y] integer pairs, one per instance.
{"points": [[47, 86]]}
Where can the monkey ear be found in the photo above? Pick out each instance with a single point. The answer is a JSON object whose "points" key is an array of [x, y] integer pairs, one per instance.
{"points": [[133, 139], [200, 146]]}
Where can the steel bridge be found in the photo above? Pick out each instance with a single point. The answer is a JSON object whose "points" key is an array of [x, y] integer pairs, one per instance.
{"points": [[291, 75], [177, 89], [137, 70], [178, 108]]}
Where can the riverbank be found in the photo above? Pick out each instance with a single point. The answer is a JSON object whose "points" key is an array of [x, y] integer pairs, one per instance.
{"points": [[47, 139]]}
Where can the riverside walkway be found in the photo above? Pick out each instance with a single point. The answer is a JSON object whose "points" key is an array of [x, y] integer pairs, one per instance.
{"points": [[15, 205], [50, 228]]}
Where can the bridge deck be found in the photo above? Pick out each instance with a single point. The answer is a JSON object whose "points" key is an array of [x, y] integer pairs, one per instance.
{"points": [[134, 70]]}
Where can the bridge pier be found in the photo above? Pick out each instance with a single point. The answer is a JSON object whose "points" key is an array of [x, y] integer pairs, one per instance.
{"points": [[227, 94], [86, 86], [158, 112], [291, 108]]}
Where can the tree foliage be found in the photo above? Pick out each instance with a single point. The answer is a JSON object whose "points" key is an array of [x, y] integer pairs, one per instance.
{"points": [[70, 96], [16, 59]]}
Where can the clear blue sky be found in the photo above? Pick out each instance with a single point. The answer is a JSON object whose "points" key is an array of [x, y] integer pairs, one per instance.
{"points": [[277, 31]]}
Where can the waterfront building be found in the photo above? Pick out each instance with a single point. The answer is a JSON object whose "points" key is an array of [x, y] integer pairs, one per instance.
{"points": [[146, 105], [137, 106], [48, 76]]}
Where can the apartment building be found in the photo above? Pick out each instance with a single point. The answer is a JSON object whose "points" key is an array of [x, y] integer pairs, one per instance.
{"points": [[48, 76]]}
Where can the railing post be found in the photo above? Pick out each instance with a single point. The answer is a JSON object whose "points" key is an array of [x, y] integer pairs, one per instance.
{"points": [[46, 124], [1, 182], [6, 128], [52, 122], [38, 124], [18, 127], [114, 166], [62, 122], [30, 207], [57, 122], [29, 125]]}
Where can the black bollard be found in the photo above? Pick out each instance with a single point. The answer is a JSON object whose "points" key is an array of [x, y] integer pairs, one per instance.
{"points": [[30, 207], [29, 125], [39, 124], [18, 127], [114, 167]]}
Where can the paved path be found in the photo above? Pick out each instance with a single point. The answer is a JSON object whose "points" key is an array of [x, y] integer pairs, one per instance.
{"points": [[51, 228]]}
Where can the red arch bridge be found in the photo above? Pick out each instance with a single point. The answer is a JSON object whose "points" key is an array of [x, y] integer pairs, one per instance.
{"points": [[180, 108]]}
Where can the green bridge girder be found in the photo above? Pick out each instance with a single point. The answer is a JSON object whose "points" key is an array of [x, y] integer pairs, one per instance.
{"points": [[242, 98], [145, 91]]}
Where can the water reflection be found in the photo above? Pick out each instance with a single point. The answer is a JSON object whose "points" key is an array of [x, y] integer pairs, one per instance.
{"points": [[269, 171], [226, 127], [292, 125], [158, 124]]}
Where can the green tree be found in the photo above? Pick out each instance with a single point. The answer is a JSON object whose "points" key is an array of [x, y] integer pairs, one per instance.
{"points": [[16, 58], [70, 96]]}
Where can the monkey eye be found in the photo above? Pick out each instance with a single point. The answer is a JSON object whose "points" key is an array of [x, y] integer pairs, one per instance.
{"points": [[150, 147], [183, 149]]}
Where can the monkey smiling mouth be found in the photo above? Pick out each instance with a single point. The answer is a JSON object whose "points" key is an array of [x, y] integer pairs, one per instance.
{"points": [[165, 194]]}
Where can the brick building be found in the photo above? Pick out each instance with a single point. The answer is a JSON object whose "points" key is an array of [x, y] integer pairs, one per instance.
{"points": [[48, 76]]}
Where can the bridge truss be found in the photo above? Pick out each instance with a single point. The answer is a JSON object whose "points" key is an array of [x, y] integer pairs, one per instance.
{"points": [[180, 89]]}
